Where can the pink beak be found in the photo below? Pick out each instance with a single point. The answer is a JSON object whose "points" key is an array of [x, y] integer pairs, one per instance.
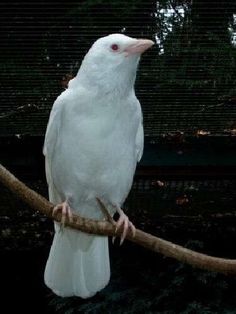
{"points": [[139, 47]]}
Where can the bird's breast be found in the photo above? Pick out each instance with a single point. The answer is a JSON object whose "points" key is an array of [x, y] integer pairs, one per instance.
{"points": [[96, 153]]}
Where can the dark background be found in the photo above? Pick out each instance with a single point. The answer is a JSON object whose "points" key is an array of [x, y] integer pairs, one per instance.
{"points": [[186, 86], [186, 82]]}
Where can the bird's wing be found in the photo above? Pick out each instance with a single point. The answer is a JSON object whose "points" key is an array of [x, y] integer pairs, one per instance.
{"points": [[139, 136], [51, 135]]}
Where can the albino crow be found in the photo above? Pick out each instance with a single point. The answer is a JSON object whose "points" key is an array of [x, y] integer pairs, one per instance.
{"points": [[93, 141]]}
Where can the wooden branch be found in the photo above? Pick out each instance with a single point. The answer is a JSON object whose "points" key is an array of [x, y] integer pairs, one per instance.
{"points": [[146, 240]]}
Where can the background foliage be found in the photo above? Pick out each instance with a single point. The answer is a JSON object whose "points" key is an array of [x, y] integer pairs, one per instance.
{"points": [[186, 82]]}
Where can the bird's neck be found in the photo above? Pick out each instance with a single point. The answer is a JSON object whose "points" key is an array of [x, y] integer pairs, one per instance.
{"points": [[108, 80], [103, 85]]}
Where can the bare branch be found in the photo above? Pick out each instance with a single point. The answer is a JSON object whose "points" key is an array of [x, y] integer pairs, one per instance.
{"points": [[146, 240]]}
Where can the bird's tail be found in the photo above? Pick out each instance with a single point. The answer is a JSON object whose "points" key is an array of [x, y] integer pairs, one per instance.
{"points": [[78, 264]]}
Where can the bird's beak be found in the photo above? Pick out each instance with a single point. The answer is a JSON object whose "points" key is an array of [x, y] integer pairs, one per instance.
{"points": [[138, 47]]}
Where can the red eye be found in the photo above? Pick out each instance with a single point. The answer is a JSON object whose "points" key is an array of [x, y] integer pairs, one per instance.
{"points": [[114, 47]]}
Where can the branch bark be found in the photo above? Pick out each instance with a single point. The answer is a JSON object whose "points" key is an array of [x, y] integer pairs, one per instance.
{"points": [[39, 203]]}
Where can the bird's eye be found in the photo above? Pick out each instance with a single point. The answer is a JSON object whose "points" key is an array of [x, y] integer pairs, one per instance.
{"points": [[114, 47]]}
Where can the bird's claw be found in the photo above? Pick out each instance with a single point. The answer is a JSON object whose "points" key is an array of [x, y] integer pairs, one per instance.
{"points": [[127, 224], [123, 220], [65, 212]]}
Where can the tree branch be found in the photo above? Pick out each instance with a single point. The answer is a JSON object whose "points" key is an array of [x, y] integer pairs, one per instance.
{"points": [[146, 240]]}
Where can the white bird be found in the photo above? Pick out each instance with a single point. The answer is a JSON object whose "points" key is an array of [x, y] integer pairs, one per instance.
{"points": [[93, 142]]}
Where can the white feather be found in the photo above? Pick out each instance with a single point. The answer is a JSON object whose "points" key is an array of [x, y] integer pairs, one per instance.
{"points": [[93, 141]]}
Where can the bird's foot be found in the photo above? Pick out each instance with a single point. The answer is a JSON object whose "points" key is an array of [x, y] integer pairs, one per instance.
{"points": [[122, 221], [65, 212], [126, 223]]}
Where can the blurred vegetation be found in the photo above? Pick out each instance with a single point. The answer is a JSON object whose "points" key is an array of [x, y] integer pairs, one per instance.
{"points": [[186, 82]]}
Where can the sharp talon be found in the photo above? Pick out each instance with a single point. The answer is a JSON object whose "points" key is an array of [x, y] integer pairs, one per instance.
{"points": [[124, 220], [113, 240], [124, 234], [122, 239], [65, 212]]}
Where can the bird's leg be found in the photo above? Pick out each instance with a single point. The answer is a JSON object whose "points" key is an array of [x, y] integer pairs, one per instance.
{"points": [[127, 224], [123, 220], [105, 211], [107, 215], [65, 212]]}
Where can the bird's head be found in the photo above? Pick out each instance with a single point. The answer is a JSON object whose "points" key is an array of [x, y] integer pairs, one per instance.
{"points": [[112, 60], [118, 49]]}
